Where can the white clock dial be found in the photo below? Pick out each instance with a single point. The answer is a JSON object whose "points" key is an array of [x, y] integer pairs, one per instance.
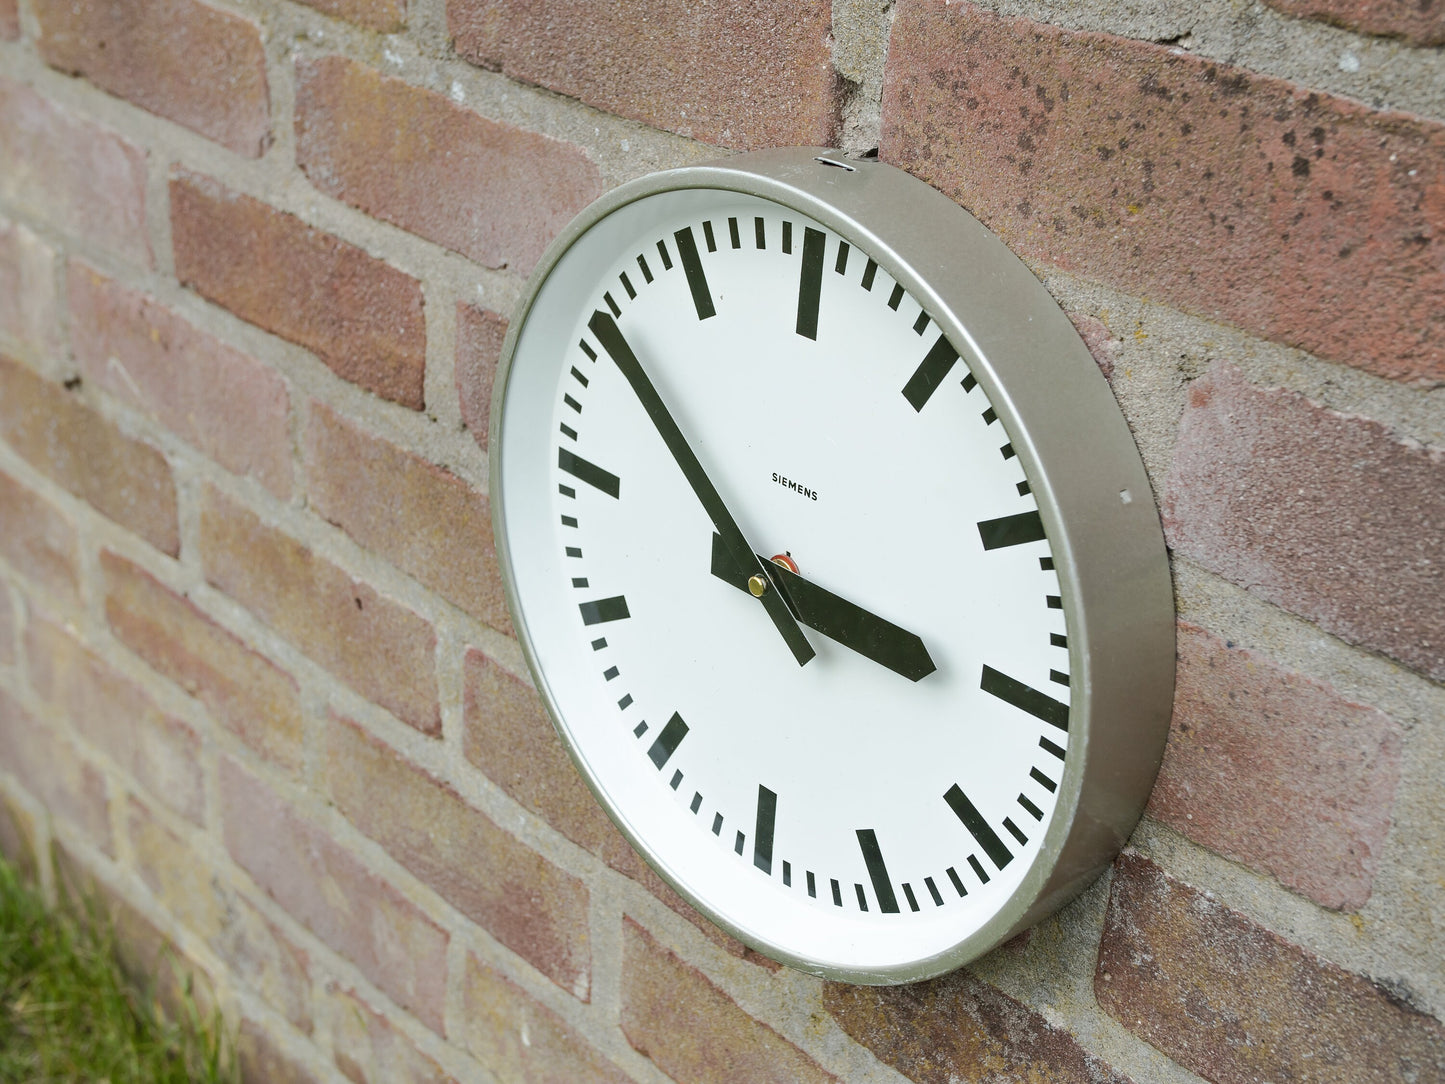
{"points": [[852, 762]]}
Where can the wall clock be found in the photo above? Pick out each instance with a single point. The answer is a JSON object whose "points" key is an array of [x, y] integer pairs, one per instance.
{"points": [[833, 560]]}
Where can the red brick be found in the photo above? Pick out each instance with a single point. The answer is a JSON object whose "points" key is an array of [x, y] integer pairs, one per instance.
{"points": [[180, 59], [39, 543], [368, 1049], [9, 20], [693, 1031], [495, 193], [742, 75], [479, 347], [52, 769], [519, 1040], [1100, 340], [116, 716], [184, 882], [529, 905], [509, 737], [29, 308], [1302, 217], [959, 1028], [427, 522], [360, 316], [61, 437], [1417, 22], [228, 405], [1330, 516], [79, 176], [1236, 1003], [384, 16], [263, 1060], [1277, 771], [377, 646], [326, 888], [245, 692]]}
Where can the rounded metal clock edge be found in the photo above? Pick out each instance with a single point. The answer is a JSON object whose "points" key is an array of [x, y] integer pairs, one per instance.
{"points": [[1093, 496]]}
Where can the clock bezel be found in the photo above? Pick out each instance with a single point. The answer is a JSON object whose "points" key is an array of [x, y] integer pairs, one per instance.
{"points": [[1084, 471]]}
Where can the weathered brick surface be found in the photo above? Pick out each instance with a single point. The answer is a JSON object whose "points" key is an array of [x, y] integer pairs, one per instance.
{"points": [[959, 1028], [229, 406], [263, 1060], [497, 194], [1306, 218], [742, 75], [39, 543], [535, 909], [326, 888], [1417, 22], [367, 1048], [18, 839], [80, 177], [1277, 771], [9, 20], [693, 1031], [116, 716], [7, 628], [125, 479], [55, 773], [479, 347], [29, 307], [377, 646], [1329, 516], [185, 884], [180, 59], [245, 692], [427, 522], [1236, 1003], [519, 1040], [359, 315], [385, 16]]}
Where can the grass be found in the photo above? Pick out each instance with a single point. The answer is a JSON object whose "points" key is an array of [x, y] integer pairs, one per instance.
{"points": [[67, 1013]]}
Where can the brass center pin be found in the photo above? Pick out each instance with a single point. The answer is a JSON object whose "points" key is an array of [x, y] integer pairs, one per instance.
{"points": [[758, 584]]}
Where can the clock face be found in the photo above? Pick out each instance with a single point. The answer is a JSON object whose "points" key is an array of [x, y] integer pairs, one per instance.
{"points": [[785, 584]]}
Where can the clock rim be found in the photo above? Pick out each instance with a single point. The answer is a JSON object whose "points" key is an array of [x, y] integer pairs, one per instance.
{"points": [[1109, 555]]}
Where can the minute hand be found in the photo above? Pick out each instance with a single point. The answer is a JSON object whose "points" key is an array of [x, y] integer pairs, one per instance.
{"points": [[610, 336], [838, 619]]}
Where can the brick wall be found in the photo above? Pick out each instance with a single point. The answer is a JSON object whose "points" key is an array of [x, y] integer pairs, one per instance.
{"points": [[257, 682]]}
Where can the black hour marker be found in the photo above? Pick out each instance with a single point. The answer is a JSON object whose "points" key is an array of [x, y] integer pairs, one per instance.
{"points": [[579, 581], [787, 237], [810, 284], [895, 297], [933, 891], [1049, 747], [957, 880], [1014, 830], [1024, 489], [646, 271], [763, 833], [787, 874], [717, 824], [969, 382], [920, 323], [599, 643], [577, 376], [566, 491], [611, 304], [666, 743], [666, 259], [625, 702], [676, 780], [1042, 780], [1055, 640], [568, 431], [640, 729], [877, 871], [869, 270], [692, 267], [978, 869], [837, 892], [977, 827], [812, 885], [1058, 678], [573, 403], [569, 521], [1055, 602], [1034, 811], [604, 609], [841, 265], [1023, 697], [627, 285], [573, 551], [862, 899], [610, 673], [733, 233], [696, 801], [1007, 451], [587, 472], [739, 842], [708, 237], [931, 372], [912, 900], [760, 238], [587, 349], [1011, 530], [1046, 564]]}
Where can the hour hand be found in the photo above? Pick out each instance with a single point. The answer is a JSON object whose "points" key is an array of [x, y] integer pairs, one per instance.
{"points": [[836, 618]]}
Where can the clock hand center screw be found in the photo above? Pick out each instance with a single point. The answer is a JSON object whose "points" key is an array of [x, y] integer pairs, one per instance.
{"points": [[757, 584], [786, 560]]}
